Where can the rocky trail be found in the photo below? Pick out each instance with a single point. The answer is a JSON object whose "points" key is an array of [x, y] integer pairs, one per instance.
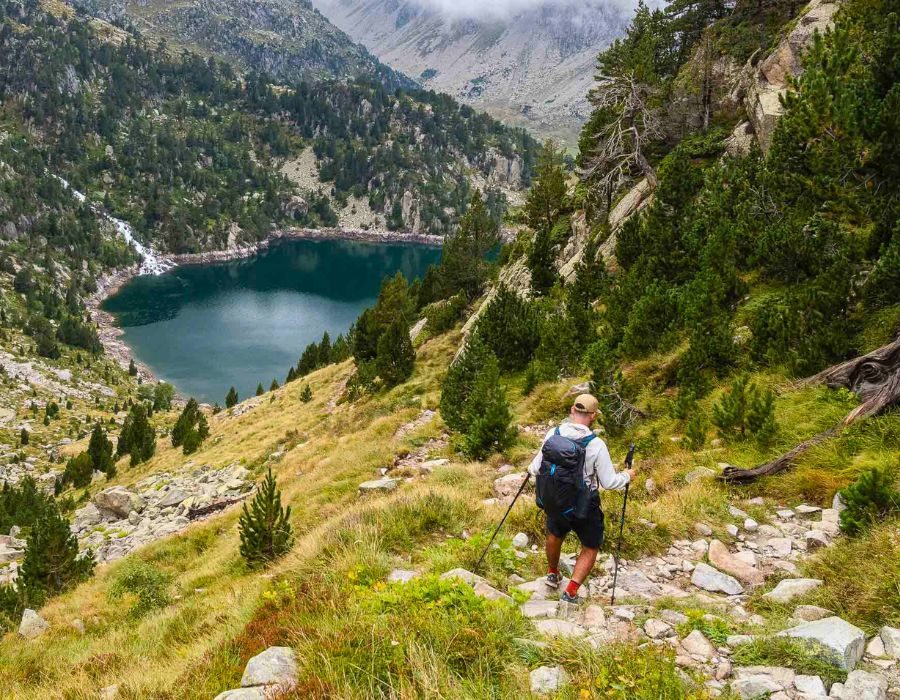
{"points": [[708, 573]]}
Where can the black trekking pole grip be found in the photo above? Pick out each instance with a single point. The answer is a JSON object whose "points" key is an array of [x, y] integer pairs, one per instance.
{"points": [[629, 460], [515, 498]]}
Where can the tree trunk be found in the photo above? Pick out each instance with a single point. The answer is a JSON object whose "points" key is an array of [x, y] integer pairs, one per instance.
{"points": [[874, 378]]}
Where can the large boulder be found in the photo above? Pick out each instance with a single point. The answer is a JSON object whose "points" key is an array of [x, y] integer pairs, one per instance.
{"points": [[87, 517], [117, 502], [32, 625], [275, 669], [721, 558], [713, 580], [847, 642], [791, 588], [376, 485]]}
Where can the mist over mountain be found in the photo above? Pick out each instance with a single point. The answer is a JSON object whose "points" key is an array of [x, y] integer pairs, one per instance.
{"points": [[529, 62]]}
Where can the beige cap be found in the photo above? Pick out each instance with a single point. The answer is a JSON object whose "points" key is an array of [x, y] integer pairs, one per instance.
{"points": [[585, 403]]}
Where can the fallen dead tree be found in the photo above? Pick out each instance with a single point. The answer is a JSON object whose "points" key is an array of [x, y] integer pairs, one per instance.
{"points": [[874, 378]]}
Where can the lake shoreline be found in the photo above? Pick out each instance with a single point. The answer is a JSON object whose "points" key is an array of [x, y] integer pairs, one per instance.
{"points": [[109, 284]]}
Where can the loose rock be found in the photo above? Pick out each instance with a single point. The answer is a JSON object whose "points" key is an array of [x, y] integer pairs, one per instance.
{"points": [[548, 679], [710, 579], [835, 634]]}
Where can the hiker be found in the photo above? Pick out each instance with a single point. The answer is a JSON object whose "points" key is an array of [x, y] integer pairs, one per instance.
{"points": [[572, 503]]}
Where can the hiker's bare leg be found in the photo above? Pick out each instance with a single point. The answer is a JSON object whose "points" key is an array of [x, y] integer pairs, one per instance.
{"points": [[553, 546], [585, 562]]}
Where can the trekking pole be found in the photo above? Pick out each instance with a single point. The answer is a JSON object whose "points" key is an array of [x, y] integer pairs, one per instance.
{"points": [[518, 493], [629, 460]]}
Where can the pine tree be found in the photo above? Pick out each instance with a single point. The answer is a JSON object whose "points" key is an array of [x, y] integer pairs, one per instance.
{"points": [[138, 438], [541, 263], [509, 327], [291, 376], [463, 264], [132, 368], [488, 417], [459, 382], [274, 385], [396, 356], [100, 450], [259, 389], [306, 394], [79, 471], [23, 437], [232, 398], [191, 428], [547, 199], [52, 562], [869, 500], [265, 527]]}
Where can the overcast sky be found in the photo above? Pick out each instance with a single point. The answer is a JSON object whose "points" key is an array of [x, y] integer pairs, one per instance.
{"points": [[505, 8]]}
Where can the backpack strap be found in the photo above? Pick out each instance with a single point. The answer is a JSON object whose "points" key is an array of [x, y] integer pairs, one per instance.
{"points": [[586, 440]]}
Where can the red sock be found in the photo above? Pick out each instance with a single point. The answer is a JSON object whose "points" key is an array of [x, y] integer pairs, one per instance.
{"points": [[551, 570], [572, 588]]}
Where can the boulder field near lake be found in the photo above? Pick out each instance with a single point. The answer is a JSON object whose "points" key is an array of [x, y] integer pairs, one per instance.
{"points": [[717, 265]]}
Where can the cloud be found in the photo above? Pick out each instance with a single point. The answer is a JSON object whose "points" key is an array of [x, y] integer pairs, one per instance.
{"points": [[502, 9]]}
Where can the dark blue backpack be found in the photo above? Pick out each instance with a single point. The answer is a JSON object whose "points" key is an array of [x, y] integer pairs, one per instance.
{"points": [[560, 489]]}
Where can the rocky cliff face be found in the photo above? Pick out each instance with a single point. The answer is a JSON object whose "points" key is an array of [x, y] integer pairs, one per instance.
{"points": [[288, 39], [533, 68]]}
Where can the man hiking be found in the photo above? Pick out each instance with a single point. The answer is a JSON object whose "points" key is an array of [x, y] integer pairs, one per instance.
{"points": [[570, 468]]}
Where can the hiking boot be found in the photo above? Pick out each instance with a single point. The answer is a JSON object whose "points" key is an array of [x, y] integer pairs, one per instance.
{"points": [[553, 581], [571, 599]]}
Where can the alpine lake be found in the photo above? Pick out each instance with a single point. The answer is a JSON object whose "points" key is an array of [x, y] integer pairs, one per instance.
{"points": [[205, 328]]}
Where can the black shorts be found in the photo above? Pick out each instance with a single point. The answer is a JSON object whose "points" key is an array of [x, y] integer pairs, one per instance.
{"points": [[589, 530]]}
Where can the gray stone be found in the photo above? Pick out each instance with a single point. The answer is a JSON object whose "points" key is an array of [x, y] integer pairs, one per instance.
{"points": [[699, 473], [696, 644], [861, 685], [791, 588], [673, 617], [118, 501], [830, 515], [713, 580], [520, 541], [386, 484], [257, 693], [110, 692], [560, 628], [890, 636], [463, 575], [846, 641], [401, 575], [875, 647], [637, 583], [593, 617], [274, 668], [487, 591], [720, 557], [735, 512], [785, 514], [736, 640], [656, 629], [539, 608], [781, 546], [750, 525], [805, 509], [650, 486], [837, 503], [753, 687], [87, 517], [173, 498], [811, 613], [811, 685], [548, 679], [703, 529], [508, 485], [731, 529], [815, 539], [32, 625]]}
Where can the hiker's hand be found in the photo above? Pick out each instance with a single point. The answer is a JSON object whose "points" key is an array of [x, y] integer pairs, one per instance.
{"points": [[631, 473]]}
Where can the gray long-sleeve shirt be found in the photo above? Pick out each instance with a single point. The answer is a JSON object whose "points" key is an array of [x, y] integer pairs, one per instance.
{"points": [[598, 466]]}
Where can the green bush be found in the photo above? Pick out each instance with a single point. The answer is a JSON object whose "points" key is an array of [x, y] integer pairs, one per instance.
{"points": [[265, 527], [745, 410], [146, 583], [487, 414], [869, 500]]}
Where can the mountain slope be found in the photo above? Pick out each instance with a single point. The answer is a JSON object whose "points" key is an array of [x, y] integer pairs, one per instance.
{"points": [[533, 68], [288, 39]]}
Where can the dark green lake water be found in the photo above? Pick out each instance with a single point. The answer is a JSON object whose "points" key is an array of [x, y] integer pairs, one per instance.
{"points": [[206, 328]]}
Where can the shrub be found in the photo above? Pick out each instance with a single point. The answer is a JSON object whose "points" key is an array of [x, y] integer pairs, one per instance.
{"points": [[396, 358], [487, 414], [869, 500], [148, 585], [695, 432], [265, 527], [79, 471], [745, 409]]}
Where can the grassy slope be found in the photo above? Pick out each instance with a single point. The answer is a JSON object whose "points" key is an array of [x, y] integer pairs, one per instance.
{"points": [[358, 637]]}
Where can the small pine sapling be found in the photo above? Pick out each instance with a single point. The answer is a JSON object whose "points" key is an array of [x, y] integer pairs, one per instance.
{"points": [[265, 527]]}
